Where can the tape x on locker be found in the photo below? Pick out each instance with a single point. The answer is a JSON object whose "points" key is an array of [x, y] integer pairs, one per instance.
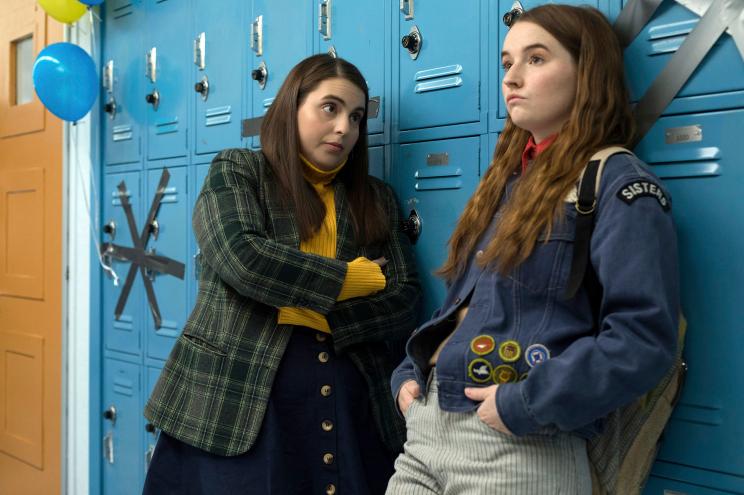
{"points": [[140, 259]]}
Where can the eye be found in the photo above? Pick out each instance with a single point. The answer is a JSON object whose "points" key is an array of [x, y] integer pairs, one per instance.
{"points": [[506, 66], [355, 117], [536, 59], [328, 107]]}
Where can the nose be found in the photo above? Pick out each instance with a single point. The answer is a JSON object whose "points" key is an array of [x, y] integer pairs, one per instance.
{"points": [[513, 77], [342, 124]]}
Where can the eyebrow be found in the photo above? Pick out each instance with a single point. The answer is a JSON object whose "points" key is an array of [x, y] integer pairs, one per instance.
{"points": [[528, 48], [340, 100]]}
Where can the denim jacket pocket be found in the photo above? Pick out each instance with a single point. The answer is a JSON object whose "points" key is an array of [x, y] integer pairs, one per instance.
{"points": [[547, 268]]}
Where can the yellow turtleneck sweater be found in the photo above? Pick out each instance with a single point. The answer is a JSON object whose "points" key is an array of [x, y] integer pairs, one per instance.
{"points": [[363, 277]]}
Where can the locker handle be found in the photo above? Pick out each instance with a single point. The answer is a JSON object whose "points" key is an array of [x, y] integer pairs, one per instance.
{"points": [[257, 36], [153, 99], [202, 87], [513, 14], [413, 42], [260, 75], [200, 48], [406, 6], [110, 414], [108, 447], [110, 108], [412, 226], [108, 76], [324, 19]]}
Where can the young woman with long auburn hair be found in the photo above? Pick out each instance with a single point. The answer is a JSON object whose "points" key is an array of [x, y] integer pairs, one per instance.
{"points": [[502, 387], [280, 380]]}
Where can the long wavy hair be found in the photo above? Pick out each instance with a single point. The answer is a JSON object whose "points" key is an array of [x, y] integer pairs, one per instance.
{"points": [[600, 117], [280, 143]]}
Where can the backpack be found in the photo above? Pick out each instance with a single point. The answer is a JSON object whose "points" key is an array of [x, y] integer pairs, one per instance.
{"points": [[621, 457]]}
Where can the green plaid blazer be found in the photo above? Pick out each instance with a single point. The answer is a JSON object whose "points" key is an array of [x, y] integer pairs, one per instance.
{"points": [[213, 390]]}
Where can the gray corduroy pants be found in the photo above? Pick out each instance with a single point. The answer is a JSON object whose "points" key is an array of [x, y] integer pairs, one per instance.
{"points": [[457, 454]]}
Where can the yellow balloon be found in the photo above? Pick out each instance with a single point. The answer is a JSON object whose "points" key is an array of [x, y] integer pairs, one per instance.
{"points": [[67, 11]]}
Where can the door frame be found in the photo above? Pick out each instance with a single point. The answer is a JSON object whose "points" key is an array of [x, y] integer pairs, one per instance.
{"points": [[80, 345]]}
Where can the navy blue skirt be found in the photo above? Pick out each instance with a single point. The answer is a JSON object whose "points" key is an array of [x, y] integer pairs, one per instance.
{"points": [[318, 437]]}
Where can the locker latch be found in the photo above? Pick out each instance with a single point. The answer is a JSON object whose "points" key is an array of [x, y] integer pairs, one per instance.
{"points": [[324, 19], [110, 108], [412, 42], [406, 6], [108, 76], [202, 87], [108, 447], [260, 75], [200, 51], [257, 36], [151, 64], [110, 414], [110, 229], [412, 226]]}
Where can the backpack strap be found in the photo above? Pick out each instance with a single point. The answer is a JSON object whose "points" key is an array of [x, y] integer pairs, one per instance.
{"points": [[585, 202]]}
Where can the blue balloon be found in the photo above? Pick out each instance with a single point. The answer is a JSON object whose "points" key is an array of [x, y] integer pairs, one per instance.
{"points": [[91, 2], [65, 80]]}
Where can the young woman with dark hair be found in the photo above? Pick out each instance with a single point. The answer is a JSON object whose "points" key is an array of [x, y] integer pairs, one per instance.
{"points": [[280, 380], [502, 387]]}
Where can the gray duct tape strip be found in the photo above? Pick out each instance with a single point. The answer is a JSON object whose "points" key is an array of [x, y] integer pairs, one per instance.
{"points": [[684, 62], [735, 27], [634, 16], [251, 127]]}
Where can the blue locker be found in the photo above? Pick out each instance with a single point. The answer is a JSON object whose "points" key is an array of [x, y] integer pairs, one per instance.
{"points": [[497, 106], [433, 181], [722, 70], [698, 156], [124, 334], [168, 69], [173, 226], [122, 445], [199, 175], [150, 432], [121, 97], [280, 37], [354, 30], [441, 85], [218, 73], [377, 161]]}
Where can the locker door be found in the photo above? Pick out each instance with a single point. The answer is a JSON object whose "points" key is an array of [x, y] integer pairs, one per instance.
{"points": [[282, 37], [122, 446], [122, 93], [171, 293], [355, 30], [123, 334], [497, 72], [377, 162], [442, 85], [434, 180], [699, 158], [201, 174], [722, 70], [218, 50], [151, 433], [168, 62]]}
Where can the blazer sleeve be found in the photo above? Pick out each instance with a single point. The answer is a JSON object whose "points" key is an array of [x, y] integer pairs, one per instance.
{"points": [[229, 224], [391, 313]]}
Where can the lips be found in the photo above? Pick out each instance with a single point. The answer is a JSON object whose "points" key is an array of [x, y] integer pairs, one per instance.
{"points": [[335, 146], [511, 98]]}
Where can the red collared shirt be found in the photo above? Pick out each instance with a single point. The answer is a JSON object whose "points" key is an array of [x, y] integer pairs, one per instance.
{"points": [[531, 150]]}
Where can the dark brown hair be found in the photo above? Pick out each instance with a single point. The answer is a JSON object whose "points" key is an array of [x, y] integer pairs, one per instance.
{"points": [[600, 117], [280, 142]]}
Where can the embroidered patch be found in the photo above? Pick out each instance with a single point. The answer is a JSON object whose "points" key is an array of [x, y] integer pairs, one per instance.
{"points": [[640, 188], [523, 376], [504, 374], [509, 351], [479, 370], [536, 354], [482, 344]]}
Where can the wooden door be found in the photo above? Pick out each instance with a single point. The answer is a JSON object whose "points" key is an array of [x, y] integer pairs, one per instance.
{"points": [[30, 261]]}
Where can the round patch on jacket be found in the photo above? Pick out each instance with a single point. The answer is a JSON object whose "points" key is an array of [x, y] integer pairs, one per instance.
{"points": [[504, 374], [479, 370], [523, 376], [643, 188], [482, 345], [536, 354], [509, 351]]}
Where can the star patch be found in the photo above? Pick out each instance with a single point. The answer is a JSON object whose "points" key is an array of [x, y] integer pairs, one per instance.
{"points": [[643, 188]]}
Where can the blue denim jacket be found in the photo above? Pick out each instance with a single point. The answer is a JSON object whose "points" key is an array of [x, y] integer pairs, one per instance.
{"points": [[557, 370]]}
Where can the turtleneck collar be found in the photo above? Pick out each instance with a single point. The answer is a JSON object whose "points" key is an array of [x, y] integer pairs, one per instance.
{"points": [[315, 175]]}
